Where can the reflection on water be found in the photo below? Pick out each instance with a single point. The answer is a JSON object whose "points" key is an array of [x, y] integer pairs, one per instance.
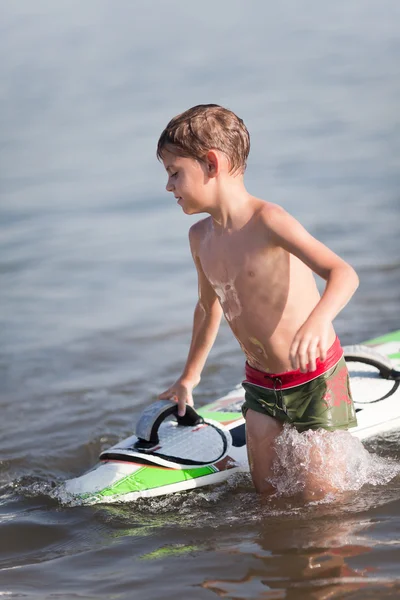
{"points": [[319, 567], [243, 546]]}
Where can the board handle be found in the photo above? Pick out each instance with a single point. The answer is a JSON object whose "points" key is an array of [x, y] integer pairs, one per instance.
{"points": [[151, 418], [369, 356]]}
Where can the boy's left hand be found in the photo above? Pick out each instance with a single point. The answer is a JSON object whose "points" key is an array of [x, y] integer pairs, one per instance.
{"points": [[309, 343]]}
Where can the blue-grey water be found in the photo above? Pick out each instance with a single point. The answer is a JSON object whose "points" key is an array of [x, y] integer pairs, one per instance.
{"points": [[97, 286]]}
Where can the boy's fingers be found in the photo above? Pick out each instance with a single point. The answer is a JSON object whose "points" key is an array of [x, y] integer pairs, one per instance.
{"points": [[182, 402], [303, 355], [322, 351], [180, 396], [312, 355], [311, 364], [181, 407]]}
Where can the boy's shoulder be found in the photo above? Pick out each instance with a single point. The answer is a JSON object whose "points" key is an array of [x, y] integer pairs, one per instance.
{"points": [[276, 222], [198, 232], [270, 209], [269, 213], [200, 227]]}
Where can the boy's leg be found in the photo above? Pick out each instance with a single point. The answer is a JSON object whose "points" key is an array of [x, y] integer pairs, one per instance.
{"points": [[326, 471], [261, 432]]}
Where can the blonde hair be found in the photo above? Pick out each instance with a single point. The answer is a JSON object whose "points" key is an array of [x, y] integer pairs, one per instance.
{"points": [[204, 127]]}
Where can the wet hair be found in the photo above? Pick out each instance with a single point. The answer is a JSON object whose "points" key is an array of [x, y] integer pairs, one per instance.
{"points": [[204, 127]]}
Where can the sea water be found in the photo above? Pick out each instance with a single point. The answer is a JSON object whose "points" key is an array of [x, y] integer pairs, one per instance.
{"points": [[98, 287], [318, 466]]}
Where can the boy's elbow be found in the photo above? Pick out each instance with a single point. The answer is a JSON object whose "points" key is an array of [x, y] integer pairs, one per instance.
{"points": [[353, 277], [210, 310], [357, 281]]}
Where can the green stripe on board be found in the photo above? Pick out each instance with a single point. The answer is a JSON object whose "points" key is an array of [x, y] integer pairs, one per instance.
{"points": [[148, 478], [383, 339], [220, 417]]}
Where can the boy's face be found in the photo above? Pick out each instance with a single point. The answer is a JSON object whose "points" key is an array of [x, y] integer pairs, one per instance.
{"points": [[187, 179]]}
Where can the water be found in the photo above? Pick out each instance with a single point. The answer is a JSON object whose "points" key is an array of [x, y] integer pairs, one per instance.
{"points": [[97, 285], [325, 465]]}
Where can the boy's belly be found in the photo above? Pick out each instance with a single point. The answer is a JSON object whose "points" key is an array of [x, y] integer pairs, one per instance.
{"points": [[266, 305], [268, 350]]}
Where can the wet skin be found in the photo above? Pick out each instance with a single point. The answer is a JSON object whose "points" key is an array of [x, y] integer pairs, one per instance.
{"points": [[258, 261], [255, 263], [265, 292]]}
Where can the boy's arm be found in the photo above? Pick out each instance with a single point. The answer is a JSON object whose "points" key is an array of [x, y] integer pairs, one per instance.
{"points": [[341, 282], [206, 321]]}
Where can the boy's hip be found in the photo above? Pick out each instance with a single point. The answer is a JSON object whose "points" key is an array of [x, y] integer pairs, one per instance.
{"points": [[289, 379], [323, 402]]}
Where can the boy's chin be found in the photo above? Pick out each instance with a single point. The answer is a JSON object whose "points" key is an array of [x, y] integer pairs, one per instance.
{"points": [[190, 210]]}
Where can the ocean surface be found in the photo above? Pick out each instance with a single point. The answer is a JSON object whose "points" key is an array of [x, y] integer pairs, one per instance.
{"points": [[97, 286]]}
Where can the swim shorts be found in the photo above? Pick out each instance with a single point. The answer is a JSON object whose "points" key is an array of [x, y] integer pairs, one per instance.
{"points": [[313, 400]]}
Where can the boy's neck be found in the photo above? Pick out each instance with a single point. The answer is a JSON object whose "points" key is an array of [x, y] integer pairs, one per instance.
{"points": [[233, 207]]}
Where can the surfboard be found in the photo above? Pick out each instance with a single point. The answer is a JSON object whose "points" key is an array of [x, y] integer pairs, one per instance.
{"points": [[169, 454]]}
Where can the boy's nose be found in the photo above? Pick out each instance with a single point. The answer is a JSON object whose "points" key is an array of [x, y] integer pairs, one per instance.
{"points": [[169, 187]]}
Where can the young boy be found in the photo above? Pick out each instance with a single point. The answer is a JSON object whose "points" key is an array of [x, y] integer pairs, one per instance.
{"points": [[255, 265]]}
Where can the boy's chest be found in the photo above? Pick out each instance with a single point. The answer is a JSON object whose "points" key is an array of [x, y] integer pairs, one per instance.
{"points": [[231, 261]]}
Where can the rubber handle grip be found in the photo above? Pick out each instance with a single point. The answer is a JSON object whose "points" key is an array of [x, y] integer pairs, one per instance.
{"points": [[150, 420]]}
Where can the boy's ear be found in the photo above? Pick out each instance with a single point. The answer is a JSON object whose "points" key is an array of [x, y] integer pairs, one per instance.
{"points": [[212, 161]]}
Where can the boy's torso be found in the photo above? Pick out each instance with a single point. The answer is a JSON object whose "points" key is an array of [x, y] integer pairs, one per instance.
{"points": [[265, 292]]}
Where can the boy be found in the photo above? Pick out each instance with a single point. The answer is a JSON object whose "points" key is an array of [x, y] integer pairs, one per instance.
{"points": [[255, 265]]}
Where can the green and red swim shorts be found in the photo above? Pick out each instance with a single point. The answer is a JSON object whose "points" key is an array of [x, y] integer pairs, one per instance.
{"points": [[312, 400]]}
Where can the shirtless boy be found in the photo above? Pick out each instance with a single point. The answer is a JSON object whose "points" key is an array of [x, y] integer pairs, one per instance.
{"points": [[255, 265]]}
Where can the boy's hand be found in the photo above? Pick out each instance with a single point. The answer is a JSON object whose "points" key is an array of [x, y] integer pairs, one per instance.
{"points": [[180, 392], [309, 343]]}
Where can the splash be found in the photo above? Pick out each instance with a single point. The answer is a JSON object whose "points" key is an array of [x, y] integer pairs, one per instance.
{"points": [[324, 464]]}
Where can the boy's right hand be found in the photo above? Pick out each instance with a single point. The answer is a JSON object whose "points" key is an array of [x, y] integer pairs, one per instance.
{"points": [[180, 392]]}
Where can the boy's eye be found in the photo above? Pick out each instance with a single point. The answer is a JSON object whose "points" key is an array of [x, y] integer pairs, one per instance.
{"points": [[174, 174]]}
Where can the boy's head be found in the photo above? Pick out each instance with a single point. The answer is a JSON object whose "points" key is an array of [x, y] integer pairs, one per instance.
{"points": [[205, 127]]}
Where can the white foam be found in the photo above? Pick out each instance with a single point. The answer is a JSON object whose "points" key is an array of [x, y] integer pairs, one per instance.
{"points": [[326, 463]]}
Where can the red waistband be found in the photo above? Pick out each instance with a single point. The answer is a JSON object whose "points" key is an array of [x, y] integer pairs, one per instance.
{"points": [[294, 378]]}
